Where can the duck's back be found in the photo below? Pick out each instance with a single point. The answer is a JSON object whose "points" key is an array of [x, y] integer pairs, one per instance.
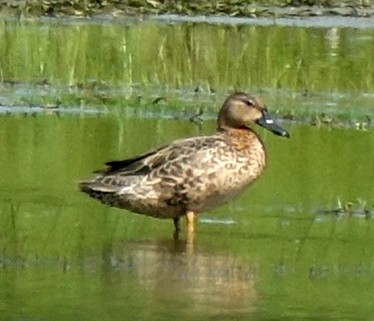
{"points": [[194, 174]]}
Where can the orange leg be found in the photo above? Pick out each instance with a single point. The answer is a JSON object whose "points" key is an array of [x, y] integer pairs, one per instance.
{"points": [[190, 218]]}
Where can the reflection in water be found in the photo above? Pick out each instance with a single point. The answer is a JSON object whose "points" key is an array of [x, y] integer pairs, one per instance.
{"points": [[212, 283], [333, 39]]}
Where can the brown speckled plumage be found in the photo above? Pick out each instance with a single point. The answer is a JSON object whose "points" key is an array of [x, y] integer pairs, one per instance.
{"points": [[190, 175]]}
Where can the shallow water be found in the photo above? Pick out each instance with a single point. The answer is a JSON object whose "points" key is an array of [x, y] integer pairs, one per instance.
{"points": [[271, 254], [76, 94]]}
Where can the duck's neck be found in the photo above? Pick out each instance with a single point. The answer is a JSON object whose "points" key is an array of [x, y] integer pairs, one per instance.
{"points": [[242, 130], [246, 141]]}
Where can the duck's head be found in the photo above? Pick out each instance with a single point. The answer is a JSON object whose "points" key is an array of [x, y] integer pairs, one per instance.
{"points": [[240, 108]]}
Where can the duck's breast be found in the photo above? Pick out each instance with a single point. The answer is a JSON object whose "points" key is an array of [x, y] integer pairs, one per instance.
{"points": [[216, 174]]}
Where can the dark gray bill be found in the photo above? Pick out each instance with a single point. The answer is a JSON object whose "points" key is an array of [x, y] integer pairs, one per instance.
{"points": [[267, 122]]}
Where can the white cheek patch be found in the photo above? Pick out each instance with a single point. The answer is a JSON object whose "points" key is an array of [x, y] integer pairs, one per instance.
{"points": [[269, 121]]}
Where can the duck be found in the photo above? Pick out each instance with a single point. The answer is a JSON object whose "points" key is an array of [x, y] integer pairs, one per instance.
{"points": [[190, 175]]}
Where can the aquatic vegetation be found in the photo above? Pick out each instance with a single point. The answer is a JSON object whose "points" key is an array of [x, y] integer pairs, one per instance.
{"points": [[359, 207], [74, 90], [183, 104], [206, 7]]}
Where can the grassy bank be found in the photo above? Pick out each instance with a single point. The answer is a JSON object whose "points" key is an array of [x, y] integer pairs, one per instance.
{"points": [[317, 76], [238, 8]]}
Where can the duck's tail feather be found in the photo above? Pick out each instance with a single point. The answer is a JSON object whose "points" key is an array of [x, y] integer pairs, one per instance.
{"points": [[97, 186], [107, 194]]}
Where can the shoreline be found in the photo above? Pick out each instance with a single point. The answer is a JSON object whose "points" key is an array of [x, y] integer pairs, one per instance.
{"points": [[225, 8]]}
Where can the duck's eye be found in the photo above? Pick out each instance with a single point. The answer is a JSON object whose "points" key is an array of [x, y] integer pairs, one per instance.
{"points": [[250, 102]]}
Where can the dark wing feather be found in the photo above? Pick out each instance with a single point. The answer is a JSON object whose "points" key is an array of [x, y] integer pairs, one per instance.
{"points": [[137, 165], [134, 165]]}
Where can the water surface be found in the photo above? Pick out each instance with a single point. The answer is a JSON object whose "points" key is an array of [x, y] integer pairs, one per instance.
{"points": [[74, 95], [270, 254]]}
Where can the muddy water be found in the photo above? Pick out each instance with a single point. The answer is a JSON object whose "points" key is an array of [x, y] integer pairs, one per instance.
{"points": [[276, 253]]}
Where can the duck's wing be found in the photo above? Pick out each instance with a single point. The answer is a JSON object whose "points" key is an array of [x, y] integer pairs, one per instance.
{"points": [[138, 165], [172, 158], [145, 163], [119, 173]]}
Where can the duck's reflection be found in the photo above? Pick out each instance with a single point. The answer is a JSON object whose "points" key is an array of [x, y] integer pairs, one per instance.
{"points": [[173, 270]]}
